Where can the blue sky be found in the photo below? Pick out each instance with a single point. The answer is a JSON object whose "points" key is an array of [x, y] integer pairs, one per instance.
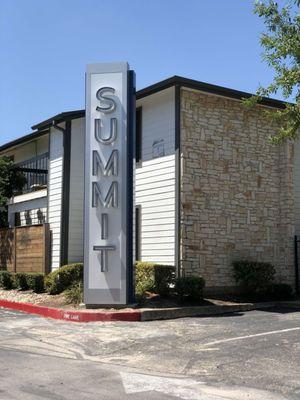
{"points": [[45, 46]]}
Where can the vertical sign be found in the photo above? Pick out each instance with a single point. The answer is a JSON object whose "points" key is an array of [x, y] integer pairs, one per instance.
{"points": [[108, 263]]}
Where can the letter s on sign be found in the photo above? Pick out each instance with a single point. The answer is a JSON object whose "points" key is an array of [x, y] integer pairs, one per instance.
{"points": [[110, 103]]}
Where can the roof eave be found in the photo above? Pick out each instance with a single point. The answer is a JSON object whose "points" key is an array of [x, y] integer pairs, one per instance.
{"points": [[24, 139], [62, 117], [208, 88]]}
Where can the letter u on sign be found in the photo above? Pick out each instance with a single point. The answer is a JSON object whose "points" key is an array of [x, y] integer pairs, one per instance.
{"points": [[100, 135]]}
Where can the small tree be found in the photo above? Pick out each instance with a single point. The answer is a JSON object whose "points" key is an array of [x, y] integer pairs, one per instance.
{"points": [[11, 181], [281, 45]]}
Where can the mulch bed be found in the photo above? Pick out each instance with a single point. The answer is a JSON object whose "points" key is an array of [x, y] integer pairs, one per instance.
{"points": [[59, 301], [41, 299]]}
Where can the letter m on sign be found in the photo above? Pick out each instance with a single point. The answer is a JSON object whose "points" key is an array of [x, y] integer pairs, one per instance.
{"points": [[105, 169], [111, 198]]}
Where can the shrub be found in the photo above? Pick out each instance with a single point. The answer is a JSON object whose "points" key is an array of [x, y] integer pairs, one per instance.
{"points": [[153, 277], [190, 288], [280, 291], [61, 279], [21, 281], [253, 276], [35, 282], [6, 280], [164, 278], [74, 294], [144, 278]]}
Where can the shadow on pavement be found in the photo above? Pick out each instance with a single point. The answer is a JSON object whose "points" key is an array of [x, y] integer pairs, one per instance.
{"points": [[280, 309]]}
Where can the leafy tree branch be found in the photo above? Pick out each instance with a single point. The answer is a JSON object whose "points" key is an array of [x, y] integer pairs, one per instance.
{"points": [[11, 181], [281, 44]]}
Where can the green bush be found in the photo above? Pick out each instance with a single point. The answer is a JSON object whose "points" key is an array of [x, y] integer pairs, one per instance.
{"points": [[61, 279], [6, 280], [253, 276], [280, 291], [35, 282], [26, 281], [74, 295], [151, 277], [21, 281], [190, 288]]}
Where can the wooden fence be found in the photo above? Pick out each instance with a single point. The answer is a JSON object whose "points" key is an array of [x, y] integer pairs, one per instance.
{"points": [[25, 249]]}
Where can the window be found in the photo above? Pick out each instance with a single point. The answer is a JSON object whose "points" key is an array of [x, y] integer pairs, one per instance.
{"points": [[138, 212], [138, 139], [31, 217]]}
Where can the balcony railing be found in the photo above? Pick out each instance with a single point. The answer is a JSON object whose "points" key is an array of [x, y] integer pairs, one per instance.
{"points": [[36, 173]]}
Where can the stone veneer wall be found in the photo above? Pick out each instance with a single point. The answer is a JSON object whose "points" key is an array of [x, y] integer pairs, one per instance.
{"points": [[236, 190]]}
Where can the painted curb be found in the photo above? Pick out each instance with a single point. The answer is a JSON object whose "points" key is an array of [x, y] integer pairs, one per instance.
{"points": [[140, 315], [72, 316]]}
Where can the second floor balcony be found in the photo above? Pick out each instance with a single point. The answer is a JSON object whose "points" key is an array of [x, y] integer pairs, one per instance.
{"points": [[36, 173]]}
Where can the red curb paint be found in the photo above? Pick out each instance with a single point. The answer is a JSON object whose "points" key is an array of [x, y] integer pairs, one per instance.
{"points": [[72, 316]]}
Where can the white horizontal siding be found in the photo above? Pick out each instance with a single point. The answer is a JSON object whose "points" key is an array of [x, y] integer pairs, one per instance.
{"points": [[164, 187], [55, 176], [155, 178], [155, 198], [152, 235], [75, 250]]}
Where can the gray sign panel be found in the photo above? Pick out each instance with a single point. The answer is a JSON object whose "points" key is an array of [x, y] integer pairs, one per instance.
{"points": [[108, 184]]}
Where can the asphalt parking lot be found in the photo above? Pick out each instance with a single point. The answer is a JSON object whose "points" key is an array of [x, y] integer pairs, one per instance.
{"points": [[253, 356]]}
